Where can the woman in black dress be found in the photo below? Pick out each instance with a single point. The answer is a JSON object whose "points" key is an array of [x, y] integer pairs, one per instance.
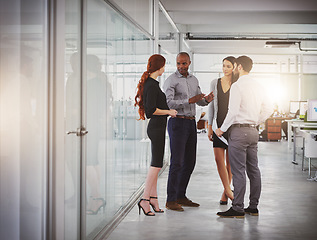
{"points": [[217, 112], [152, 103]]}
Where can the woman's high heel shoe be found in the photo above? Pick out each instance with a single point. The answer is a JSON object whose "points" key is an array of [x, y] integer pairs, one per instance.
{"points": [[230, 195], [149, 213], [155, 210], [97, 207], [224, 196], [223, 202]]}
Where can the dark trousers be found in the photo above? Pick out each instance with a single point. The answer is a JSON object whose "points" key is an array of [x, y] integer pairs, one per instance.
{"points": [[183, 142]]}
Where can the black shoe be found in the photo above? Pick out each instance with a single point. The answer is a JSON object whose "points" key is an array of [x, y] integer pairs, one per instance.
{"points": [[252, 211], [155, 210], [149, 213], [231, 214]]}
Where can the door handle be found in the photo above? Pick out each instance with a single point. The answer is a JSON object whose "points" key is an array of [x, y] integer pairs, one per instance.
{"points": [[80, 132]]}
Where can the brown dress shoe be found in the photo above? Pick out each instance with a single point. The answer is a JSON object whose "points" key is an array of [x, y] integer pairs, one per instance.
{"points": [[173, 205], [187, 203]]}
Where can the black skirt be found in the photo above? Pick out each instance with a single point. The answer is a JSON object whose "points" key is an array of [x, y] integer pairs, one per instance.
{"points": [[156, 132], [217, 143]]}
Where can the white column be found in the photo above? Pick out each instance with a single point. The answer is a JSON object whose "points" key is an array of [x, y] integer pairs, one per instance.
{"points": [[155, 25], [300, 76]]}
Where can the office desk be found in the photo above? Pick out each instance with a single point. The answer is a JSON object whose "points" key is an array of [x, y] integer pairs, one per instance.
{"points": [[297, 125], [309, 148], [289, 129]]}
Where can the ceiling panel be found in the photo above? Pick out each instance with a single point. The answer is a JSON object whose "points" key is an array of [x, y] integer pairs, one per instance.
{"points": [[285, 19]]}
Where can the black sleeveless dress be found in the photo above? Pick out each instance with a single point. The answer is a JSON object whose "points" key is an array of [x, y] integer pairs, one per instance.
{"points": [[223, 102], [154, 97]]}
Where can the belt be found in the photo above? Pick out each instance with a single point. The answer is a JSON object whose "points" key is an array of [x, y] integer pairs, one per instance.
{"points": [[244, 125], [185, 117]]}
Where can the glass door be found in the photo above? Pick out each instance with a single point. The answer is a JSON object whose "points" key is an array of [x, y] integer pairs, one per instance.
{"points": [[105, 57], [74, 136], [117, 149]]}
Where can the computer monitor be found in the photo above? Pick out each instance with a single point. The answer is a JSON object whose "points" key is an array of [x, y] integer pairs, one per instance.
{"points": [[303, 106], [312, 110], [293, 106]]}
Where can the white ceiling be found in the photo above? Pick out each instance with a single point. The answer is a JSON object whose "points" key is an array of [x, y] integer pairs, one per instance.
{"points": [[243, 26]]}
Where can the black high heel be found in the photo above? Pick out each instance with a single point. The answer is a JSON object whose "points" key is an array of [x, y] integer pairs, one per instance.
{"points": [[155, 210], [140, 207], [223, 202]]}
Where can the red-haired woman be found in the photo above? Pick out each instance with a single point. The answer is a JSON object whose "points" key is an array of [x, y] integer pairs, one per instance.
{"points": [[152, 103]]}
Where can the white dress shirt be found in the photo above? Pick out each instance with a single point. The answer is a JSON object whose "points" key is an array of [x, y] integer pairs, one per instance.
{"points": [[248, 103]]}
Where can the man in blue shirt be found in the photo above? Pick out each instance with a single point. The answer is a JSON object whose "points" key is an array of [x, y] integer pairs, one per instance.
{"points": [[182, 93]]}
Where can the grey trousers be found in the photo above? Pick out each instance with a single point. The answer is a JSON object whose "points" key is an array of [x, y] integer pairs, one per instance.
{"points": [[243, 149]]}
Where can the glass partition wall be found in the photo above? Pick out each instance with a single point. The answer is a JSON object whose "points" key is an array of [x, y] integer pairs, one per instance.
{"points": [[109, 53], [117, 152], [168, 44], [73, 117], [72, 189], [23, 119]]}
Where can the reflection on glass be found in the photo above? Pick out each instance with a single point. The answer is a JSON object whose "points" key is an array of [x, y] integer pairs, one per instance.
{"points": [[99, 98], [139, 10], [72, 119], [117, 148], [72, 147]]}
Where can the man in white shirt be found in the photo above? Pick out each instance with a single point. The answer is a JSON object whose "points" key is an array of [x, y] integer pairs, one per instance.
{"points": [[248, 107]]}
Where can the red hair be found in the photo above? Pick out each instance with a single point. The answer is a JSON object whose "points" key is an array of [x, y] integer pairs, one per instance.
{"points": [[155, 62]]}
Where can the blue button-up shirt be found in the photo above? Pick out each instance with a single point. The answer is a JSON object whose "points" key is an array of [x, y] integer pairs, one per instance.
{"points": [[178, 90]]}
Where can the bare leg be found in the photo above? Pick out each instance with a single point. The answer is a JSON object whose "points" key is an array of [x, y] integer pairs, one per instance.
{"points": [[93, 178], [154, 201], [228, 192], [223, 172], [150, 187], [95, 200], [228, 168]]}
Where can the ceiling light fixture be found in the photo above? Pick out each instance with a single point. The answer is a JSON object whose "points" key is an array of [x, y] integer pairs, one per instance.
{"points": [[280, 44]]}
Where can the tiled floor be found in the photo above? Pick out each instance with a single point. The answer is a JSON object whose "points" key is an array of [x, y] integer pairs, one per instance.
{"points": [[288, 204]]}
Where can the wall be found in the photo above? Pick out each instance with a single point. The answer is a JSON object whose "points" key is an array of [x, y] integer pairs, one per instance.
{"points": [[23, 118]]}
